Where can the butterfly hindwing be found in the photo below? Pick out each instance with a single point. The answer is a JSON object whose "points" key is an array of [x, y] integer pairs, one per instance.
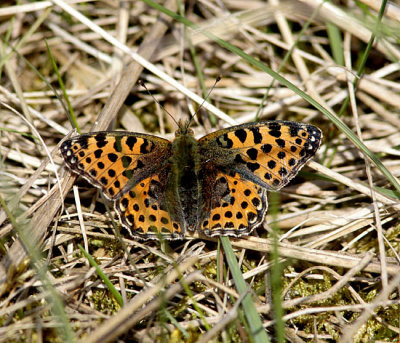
{"points": [[235, 208], [142, 210]]}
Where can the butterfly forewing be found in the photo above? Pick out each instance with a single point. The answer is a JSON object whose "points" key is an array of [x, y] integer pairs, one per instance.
{"points": [[115, 161], [267, 153]]}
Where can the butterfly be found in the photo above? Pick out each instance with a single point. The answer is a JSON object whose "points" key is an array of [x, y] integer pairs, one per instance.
{"points": [[216, 185]]}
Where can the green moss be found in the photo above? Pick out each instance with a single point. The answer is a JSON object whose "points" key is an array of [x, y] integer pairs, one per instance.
{"points": [[104, 302]]}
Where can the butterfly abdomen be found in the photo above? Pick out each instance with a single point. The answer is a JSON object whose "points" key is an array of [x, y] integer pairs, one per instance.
{"points": [[183, 181]]}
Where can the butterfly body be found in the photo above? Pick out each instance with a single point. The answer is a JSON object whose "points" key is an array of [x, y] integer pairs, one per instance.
{"points": [[216, 185], [182, 201]]}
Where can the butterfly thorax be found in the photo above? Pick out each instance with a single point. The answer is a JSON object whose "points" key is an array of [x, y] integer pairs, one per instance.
{"points": [[183, 184]]}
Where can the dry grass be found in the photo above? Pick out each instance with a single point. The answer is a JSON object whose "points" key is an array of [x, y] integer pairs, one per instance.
{"points": [[338, 221]]}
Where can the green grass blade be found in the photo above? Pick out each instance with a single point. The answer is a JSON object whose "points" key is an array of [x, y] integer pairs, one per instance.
{"points": [[176, 323], [335, 42], [103, 276], [253, 318], [276, 271], [20, 133]]}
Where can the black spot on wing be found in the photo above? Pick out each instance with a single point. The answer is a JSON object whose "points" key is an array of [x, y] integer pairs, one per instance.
{"points": [[101, 136], [131, 141], [241, 134], [271, 164], [98, 153], [253, 166], [101, 144], [281, 155], [280, 142], [256, 135], [275, 133], [112, 157], [239, 159], [266, 148], [252, 153]]}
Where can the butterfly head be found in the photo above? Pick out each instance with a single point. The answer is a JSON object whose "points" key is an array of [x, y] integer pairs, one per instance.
{"points": [[184, 128]]}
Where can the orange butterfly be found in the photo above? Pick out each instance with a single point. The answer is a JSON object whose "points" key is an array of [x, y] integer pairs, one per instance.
{"points": [[216, 185]]}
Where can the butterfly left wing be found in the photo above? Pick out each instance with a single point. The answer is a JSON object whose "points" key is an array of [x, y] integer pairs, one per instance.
{"points": [[127, 166], [264, 156], [231, 205]]}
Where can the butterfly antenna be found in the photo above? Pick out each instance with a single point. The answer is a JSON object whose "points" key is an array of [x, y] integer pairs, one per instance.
{"points": [[205, 99], [141, 83]]}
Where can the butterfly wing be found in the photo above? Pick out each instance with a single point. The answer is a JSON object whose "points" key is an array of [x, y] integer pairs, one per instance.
{"points": [[143, 212], [243, 162], [231, 205], [126, 166]]}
